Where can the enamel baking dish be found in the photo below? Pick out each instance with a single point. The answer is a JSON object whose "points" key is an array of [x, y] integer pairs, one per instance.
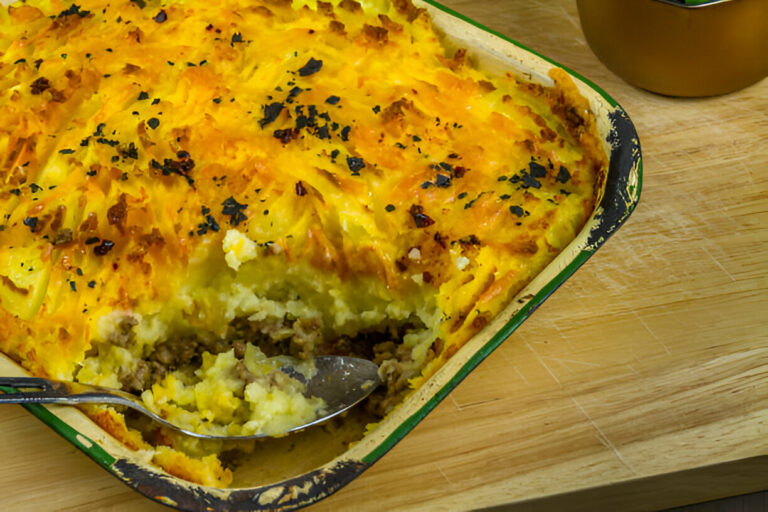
{"points": [[289, 481]]}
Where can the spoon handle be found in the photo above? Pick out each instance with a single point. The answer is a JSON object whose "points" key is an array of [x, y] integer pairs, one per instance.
{"points": [[43, 391]]}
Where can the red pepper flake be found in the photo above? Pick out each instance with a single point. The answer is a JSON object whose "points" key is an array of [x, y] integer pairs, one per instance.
{"points": [[421, 219], [285, 136], [459, 171], [40, 85]]}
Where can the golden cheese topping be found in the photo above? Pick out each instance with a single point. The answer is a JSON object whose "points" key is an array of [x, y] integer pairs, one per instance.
{"points": [[147, 147]]}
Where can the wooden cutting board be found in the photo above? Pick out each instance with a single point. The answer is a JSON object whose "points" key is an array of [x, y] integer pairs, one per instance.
{"points": [[641, 384]]}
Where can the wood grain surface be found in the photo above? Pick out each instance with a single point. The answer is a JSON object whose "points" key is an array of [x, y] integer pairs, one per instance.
{"points": [[641, 384]]}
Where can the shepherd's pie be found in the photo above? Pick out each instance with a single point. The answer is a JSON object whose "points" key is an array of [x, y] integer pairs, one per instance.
{"points": [[192, 189]]}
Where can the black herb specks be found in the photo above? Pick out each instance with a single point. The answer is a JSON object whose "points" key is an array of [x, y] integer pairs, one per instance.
{"points": [[73, 10], [537, 170], [66, 151], [209, 223], [563, 176], [100, 129], [31, 223], [376, 109], [217, 100], [442, 181], [104, 247], [182, 167], [390, 208], [234, 210], [300, 190], [91, 284], [529, 181], [141, 3], [130, 151], [153, 122], [143, 95], [332, 100], [311, 67], [355, 165], [271, 112], [73, 286], [92, 240], [345, 133], [293, 93], [323, 133], [237, 37], [516, 210], [108, 142], [156, 101], [161, 17], [421, 219]]}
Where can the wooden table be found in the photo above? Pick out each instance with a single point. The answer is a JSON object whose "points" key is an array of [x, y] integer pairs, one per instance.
{"points": [[641, 384]]}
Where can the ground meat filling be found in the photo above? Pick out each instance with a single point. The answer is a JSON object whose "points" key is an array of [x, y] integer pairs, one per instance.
{"points": [[300, 338]]}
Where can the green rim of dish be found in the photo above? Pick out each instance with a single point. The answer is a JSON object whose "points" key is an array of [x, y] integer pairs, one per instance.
{"points": [[85, 444]]}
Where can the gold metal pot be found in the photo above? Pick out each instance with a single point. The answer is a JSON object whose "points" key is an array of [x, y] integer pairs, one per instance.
{"points": [[670, 48]]}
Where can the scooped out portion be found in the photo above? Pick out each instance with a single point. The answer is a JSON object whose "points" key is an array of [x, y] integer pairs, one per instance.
{"points": [[209, 359]]}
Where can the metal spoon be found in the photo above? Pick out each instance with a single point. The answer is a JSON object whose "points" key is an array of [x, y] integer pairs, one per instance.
{"points": [[340, 381]]}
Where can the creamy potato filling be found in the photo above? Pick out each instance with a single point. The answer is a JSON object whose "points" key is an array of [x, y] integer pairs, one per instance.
{"points": [[209, 359]]}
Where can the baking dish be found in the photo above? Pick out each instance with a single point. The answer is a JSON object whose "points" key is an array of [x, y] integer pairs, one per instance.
{"points": [[296, 486]]}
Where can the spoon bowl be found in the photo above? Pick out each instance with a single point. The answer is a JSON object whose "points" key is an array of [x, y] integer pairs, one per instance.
{"points": [[340, 381]]}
